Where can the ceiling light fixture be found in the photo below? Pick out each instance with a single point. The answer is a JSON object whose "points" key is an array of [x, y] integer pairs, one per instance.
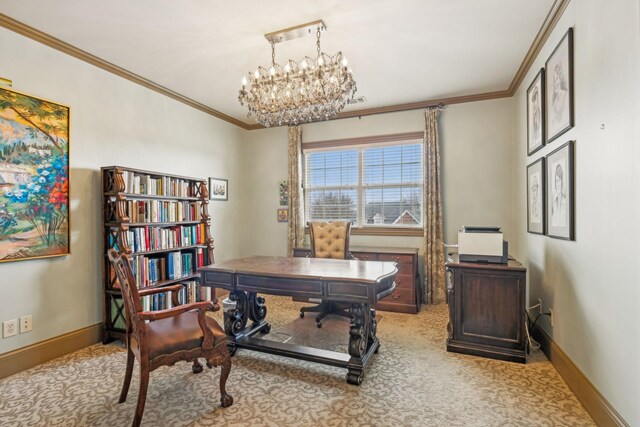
{"points": [[300, 92]]}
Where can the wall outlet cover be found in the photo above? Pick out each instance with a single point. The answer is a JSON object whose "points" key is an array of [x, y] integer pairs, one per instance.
{"points": [[9, 328], [26, 324]]}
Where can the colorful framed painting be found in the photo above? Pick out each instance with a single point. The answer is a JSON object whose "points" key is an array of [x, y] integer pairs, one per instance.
{"points": [[283, 214], [218, 189], [560, 192], [536, 197], [284, 193], [559, 88], [34, 177]]}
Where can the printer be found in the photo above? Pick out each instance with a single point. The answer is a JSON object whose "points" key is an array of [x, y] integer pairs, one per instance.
{"points": [[482, 244]]}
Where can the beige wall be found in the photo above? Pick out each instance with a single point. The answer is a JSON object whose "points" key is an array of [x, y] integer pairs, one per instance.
{"points": [[592, 284], [113, 122], [476, 153]]}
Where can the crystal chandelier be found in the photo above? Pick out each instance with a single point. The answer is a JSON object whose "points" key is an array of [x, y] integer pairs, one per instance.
{"points": [[298, 92]]}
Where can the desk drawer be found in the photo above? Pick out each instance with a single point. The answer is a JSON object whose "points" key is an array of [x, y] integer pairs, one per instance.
{"points": [[400, 259], [405, 282], [365, 256], [400, 295]]}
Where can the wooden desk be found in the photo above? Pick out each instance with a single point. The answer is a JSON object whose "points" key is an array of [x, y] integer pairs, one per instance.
{"points": [[406, 298], [487, 309], [358, 283]]}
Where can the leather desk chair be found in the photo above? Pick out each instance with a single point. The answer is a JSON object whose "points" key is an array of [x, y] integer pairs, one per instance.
{"points": [[164, 337], [329, 240]]}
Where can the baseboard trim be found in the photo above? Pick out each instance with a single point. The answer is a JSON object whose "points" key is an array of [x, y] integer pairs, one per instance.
{"points": [[32, 355], [593, 401]]}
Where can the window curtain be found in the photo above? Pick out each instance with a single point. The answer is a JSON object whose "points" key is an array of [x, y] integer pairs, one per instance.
{"points": [[295, 232], [434, 277]]}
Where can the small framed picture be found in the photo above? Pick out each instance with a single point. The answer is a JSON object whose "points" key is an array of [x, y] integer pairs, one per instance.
{"points": [[560, 192], [218, 189], [559, 88], [535, 114], [536, 197], [283, 214], [284, 192]]}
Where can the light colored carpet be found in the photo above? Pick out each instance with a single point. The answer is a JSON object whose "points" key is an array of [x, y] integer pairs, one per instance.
{"points": [[412, 381]]}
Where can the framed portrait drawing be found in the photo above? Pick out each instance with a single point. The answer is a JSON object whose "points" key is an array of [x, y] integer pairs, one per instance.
{"points": [[535, 114], [536, 197], [218, 189], [34, 177], [283, 214], [560, 192], [559, 88]]}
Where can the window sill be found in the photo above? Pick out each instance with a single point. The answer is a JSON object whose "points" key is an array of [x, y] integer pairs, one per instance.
{"points": [[384, 231]]}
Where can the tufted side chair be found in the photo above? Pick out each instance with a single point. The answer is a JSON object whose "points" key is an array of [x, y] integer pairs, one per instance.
{"points": [[328, 240], [163, 337]]}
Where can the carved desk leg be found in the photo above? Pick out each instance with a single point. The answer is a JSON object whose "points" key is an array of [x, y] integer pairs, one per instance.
{"points": [[362, 336], [257, 312], [235, 316]]}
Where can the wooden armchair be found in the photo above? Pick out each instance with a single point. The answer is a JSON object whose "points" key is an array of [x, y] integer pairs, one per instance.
{"points": [[329, 240], [165, 337]]}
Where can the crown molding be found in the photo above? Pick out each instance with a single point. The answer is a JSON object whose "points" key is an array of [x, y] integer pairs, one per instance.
{"points": [[556, 11], [48, 40]]}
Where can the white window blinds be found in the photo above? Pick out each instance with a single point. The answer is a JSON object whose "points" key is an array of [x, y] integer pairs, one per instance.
{"points": [[370, 185]]}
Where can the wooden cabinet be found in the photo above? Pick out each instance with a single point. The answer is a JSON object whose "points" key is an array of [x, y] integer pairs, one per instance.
{"points": [[160, 222], [487, 309], [406, 297]]}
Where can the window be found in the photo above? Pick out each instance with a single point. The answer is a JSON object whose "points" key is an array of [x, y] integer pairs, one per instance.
{"points": [[373, 185]]}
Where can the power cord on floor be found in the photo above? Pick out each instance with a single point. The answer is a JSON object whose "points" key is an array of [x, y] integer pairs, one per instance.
{"points": [[533, 344]]}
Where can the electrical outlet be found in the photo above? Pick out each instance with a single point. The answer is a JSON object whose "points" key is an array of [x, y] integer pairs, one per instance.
{"points": [[539, 305], [551, 316], [26, 324], [9, 328]]}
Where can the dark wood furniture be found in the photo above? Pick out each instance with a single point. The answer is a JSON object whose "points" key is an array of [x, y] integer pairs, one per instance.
{"points": [[159, 338], [487, 309], [359, 284], [406, 297], [144, 203], [328, 240]]}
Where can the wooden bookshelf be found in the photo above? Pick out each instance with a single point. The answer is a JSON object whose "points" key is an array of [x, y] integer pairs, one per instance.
{"points": [[169, 210]]}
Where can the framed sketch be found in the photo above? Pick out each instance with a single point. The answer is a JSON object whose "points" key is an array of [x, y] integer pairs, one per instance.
{"points": [[536, 197], [535, 114], [34, 177], [559, 88], [283, 214], [560, 192], [218, 189]]}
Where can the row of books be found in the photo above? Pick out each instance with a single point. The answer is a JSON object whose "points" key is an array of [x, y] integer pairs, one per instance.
{"points": [[149, 271], [163, 211], [157, 186], [141, 239], [191, 292]]}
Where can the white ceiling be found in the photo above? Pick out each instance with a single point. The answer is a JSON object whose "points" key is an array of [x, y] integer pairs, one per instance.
{"points": [[400, 51]]}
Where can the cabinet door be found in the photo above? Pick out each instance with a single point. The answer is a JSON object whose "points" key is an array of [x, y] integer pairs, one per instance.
{"points": [[490, 308]]}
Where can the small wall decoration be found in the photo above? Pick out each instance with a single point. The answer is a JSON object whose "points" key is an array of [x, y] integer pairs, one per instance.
{"points": [[535, 114], [560, 192], [218, 189], [34, 177], [284, 193], [536, 197], [559, 88], [283, 215]]}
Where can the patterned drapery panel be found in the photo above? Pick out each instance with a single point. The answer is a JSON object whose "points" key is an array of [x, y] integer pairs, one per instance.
{"points": [[434, 291], [295, 233]]}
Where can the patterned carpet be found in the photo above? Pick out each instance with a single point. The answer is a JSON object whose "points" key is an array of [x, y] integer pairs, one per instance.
{"points": [[412, 381]]}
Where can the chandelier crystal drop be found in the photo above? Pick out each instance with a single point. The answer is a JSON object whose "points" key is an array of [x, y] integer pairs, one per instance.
{"points": [[298, 92]]}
